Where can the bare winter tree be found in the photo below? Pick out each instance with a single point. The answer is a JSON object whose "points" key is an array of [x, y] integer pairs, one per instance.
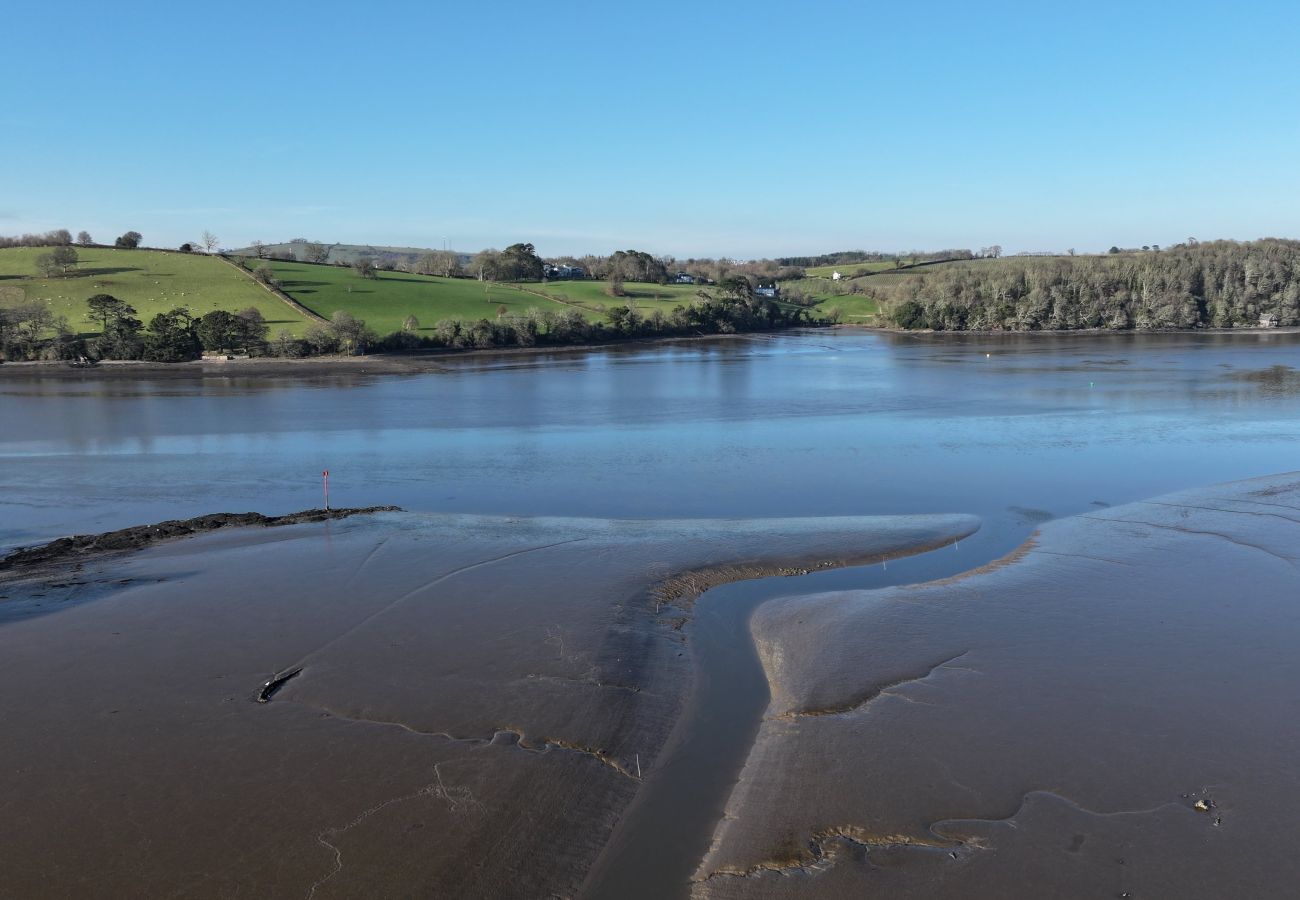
{"points": [[209, 241], [437, 262], [83, 238], [259, 248]]}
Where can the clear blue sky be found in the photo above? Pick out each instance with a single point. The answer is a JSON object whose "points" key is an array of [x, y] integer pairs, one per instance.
{"points": [[741, 129]]}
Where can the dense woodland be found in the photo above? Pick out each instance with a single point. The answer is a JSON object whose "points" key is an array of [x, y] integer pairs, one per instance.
{"points": [[1222, 284]]}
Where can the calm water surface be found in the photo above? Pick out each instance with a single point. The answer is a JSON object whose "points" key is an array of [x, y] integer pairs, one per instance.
{"points": [[822, 423]]}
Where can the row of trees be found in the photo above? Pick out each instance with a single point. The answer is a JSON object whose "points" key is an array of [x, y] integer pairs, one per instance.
{"points": [[438, 262], [520, 262], [170, 336], [177, 336], [637, 265], [911, 257], [61, 237], [1220, 284], [732, 308]]}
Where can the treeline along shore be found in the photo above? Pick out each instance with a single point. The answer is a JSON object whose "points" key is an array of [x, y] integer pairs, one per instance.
{"points": [[91, 302], [131, 298], [179, 336]]}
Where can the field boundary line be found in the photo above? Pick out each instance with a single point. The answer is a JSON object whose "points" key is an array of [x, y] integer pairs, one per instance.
{"points": [[275, 291], [545, 296]]}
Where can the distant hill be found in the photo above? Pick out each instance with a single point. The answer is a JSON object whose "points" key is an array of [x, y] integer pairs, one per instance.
{"points": [[345, 253]]}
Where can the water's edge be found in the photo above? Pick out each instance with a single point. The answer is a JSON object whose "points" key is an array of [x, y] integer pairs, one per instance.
{"points": [[667, 830]]}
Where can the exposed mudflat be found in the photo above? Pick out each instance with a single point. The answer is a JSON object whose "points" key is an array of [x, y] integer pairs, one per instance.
{"points": [[460, 713], [1109, 713], [452, 706]]}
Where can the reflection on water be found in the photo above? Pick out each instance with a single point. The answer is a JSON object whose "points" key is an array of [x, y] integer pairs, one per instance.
{"points": [[820, 423]]}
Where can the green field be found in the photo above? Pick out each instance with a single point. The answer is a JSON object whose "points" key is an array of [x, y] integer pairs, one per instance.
{"points": [[593, 296], [156, 281], [870, 278], [151, 281], [855, 309], [384, 302], [849, 270], [877, 268]]}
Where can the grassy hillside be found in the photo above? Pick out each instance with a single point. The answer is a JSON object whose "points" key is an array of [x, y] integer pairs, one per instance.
{"points": [[878, 267], [869, 281], [593, 296], [855, 309], [848, 270], [384, 302], [149, 280]]}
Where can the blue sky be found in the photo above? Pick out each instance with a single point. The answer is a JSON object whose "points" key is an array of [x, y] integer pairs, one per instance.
{"points": [[740, 129]]}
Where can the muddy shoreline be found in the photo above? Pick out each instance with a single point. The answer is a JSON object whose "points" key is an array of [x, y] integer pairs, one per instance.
{"points": [[427, 361], [137, 537], [408, 738], [444, 699], [409, 363]]}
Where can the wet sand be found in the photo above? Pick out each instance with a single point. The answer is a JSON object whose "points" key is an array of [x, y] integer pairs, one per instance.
{"points": [[1110, 713], [463, 707]]}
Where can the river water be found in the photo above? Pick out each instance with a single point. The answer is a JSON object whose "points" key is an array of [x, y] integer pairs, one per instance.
{"points": [[1016, 429]]}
